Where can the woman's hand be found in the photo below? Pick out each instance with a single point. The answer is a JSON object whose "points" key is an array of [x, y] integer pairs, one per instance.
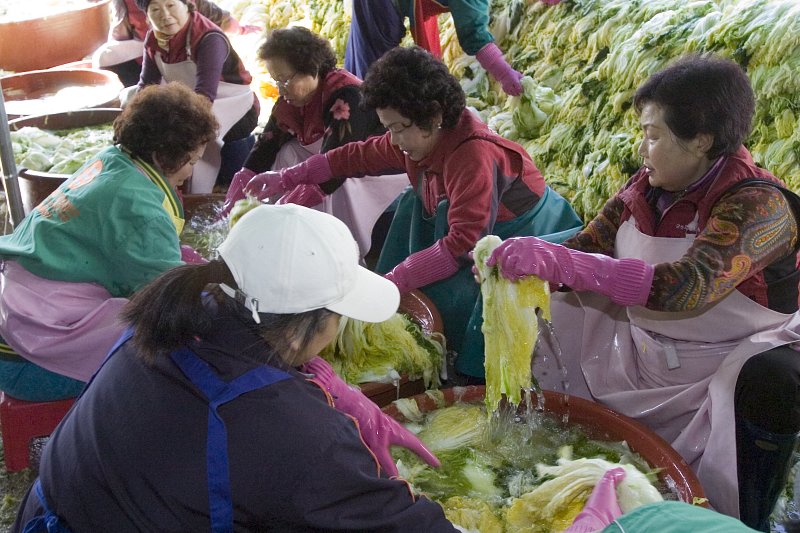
{"points": [[625, 281], [378, 430], [265, 185], [236, 189]]}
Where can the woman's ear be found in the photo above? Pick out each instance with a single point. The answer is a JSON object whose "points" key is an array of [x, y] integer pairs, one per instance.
{"points": [[702, 143], [437, 121]]}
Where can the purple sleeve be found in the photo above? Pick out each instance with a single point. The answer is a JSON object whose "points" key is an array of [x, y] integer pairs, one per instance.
{"points": [[212, 51]]}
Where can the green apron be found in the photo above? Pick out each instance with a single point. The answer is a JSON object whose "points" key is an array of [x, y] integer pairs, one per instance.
{"points": [[458, 297]]}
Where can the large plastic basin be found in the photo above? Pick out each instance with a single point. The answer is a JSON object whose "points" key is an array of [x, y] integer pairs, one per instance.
{"points": [[37, 92], [599, 422], [54, 39]]}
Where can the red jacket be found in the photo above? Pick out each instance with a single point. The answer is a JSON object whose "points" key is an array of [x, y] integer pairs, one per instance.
{"points": [[485, 177]]}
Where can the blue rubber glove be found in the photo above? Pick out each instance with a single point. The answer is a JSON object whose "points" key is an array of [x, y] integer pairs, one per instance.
{"points": [[378, 430]]}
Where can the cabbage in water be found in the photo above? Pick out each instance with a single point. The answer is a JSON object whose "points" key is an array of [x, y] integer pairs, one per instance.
{"points": [[520, 476]]}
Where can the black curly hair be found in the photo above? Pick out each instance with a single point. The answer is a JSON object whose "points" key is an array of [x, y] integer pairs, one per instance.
{"points": [[166, 121], [305, 51], [703, 94], [415, 84]]}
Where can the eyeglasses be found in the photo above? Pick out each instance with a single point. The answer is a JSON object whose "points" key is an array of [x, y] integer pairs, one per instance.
{"points": [[285, 84], [398, 127]]}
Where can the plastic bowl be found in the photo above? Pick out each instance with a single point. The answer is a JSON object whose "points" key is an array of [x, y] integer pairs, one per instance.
{"points": [[49, 41], [35, 186], [45, 92], [599, 422]]}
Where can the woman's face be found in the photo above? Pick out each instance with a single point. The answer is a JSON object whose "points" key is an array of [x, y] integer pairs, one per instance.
{"points": [[321, 340], [168, 16], [415, 142], [295, 87], [672, 164], [177, 178]]}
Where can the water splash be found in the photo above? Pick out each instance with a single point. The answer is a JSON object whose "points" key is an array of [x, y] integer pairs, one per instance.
{"points": [[548, 334], [396, 383]]}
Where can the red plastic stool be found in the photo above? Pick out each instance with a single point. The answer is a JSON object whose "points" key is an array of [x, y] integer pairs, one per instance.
{"points": [[21, 422]]}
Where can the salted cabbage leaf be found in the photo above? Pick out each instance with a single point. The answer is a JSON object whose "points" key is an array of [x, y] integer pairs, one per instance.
{"points": [[509, 326]]}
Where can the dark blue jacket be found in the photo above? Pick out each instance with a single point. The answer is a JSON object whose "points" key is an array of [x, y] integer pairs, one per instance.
{"points": [[131, 455]]}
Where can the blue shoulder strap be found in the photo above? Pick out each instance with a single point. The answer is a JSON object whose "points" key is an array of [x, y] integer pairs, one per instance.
{"points": [[48, 522], [219, 392]]}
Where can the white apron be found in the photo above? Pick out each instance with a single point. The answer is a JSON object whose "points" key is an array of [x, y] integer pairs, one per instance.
{"points": [[232, 102], [359, 202], [674, 372]]}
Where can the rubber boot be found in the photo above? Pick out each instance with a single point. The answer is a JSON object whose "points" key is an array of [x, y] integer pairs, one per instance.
{"points": [[763, 461]]}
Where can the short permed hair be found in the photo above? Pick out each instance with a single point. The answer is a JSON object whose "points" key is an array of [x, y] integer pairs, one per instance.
{"points": [[703, 94], [169, 121], [415, 84], [305, 51]]}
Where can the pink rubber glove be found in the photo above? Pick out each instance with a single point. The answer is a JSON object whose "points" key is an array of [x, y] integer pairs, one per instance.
{"points": [[191, 256], [305, 195], [423, 268], [491, 58], [601, 508], [378, 430], [236, 190], [314, 170], [625, 281]]}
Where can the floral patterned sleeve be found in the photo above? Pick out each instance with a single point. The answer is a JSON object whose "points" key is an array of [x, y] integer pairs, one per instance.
{"points": [[600, 233], [747, 230]]}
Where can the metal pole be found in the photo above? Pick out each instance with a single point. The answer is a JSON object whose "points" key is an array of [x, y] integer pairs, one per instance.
{"points": [[9, 167]]}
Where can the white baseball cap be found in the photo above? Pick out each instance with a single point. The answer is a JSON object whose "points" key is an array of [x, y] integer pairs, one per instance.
{"points": [[292, 259]]}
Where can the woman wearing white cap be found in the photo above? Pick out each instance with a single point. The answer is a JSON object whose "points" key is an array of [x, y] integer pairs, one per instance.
{"points": [[199, 419]]}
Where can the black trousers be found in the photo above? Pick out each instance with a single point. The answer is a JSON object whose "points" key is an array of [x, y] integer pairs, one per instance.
{"points": [[768, 391]]}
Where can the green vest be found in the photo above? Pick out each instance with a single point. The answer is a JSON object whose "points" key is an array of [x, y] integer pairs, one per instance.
{"points": [[107, 224], [675, 517]]}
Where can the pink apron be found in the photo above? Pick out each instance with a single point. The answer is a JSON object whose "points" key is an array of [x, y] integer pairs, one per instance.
{"points": [[232, 102], [358, 202], [674, 372], [64, 327]]}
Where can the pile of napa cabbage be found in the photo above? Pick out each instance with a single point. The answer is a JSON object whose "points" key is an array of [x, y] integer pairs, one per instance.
{"points": [[594, 54], [58, 152]]}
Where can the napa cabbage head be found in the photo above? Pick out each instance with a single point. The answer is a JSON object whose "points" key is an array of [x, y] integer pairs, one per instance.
{"points": [[472, 514], [380, 352], [567, 486], [510, 326]]}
